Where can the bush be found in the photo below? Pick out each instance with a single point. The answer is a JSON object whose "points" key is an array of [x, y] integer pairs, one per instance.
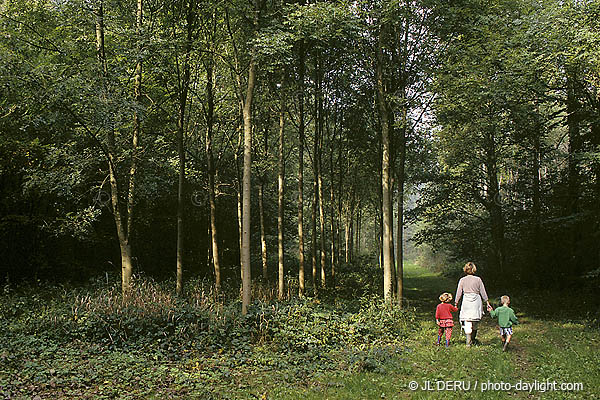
{"points": [[303, 325]]}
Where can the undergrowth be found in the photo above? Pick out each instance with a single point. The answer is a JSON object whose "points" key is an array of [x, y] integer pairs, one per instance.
{"points": [[198, 331], [65, 342]]}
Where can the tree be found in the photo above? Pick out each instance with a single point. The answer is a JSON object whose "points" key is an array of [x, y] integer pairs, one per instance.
{"points": [[245, 93]]}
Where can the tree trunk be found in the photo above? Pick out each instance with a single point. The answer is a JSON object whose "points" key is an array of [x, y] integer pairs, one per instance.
{"points": [[357, 230], [137, 89], [120, 224], [574, 177], [315, 194], [575, 142], [536, 207], [210, 107], [319, 165], [184, 82], [247, 112], [494, 204], [280, 203], [313, 228], [180, 201], [351, 227], [239, 190], [400, 178], [385, 174], [400, 245], [596, 166], [340, 214], [301, 66], [347, 239], [263, 241], [332, 215]]}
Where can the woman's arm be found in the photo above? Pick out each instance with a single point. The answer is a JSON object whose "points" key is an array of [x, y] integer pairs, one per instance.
{"points": [[459, 292], [482, 292]]}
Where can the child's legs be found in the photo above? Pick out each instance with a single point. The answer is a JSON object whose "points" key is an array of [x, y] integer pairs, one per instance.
{"points": [[440, 331], [448, 332], [506, 334]]}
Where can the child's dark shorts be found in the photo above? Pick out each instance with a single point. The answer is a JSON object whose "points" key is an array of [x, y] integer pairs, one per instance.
{"points": [[506, 331]]}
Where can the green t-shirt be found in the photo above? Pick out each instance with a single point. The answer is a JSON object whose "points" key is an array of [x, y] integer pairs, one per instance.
{"points": [[506, 316]]}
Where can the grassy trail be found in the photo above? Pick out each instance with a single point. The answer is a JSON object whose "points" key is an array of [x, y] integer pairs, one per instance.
{"points": [[543, 350]]}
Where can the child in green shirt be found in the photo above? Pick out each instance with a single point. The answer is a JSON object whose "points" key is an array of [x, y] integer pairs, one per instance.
{"points": [[506, 318]]}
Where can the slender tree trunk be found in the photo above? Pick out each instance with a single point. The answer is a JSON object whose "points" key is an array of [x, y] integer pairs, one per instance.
{"points": [[351, 228], [385, 175], [239, 217], [126, 251], [239, 191], [137, 89], [180, 201], [574, 177], [280, 202], [301, 67], [356, 231], [100, 51], [347, 240], [596, 142], [313, 228], [184, 82], [495, 205], [575, 142], [380, 208], [120, 224], [210, 107], [247, 112], [400, 178], [378, 221], [315, 193], [209, 260], [322, 230], [392, 244], [319, 166], [536, 207], [332, 215], [263, 241], [400, 246], [341, 165]]}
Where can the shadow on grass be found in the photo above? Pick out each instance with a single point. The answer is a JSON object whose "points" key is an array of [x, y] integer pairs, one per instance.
{"points": [[422, 288]]}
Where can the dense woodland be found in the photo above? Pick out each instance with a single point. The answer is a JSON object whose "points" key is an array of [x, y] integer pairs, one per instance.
{"points": [[265, 199], [241, 141]]}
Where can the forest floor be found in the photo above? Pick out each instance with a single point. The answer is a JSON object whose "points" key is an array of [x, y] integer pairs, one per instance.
{"points": [[550, 348]]}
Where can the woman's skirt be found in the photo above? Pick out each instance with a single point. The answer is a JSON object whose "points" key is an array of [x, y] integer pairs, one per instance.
{"points": [[472, 307]]}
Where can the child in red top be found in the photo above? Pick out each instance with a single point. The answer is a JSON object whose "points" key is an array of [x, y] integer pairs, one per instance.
{"points": [[443, 317]]}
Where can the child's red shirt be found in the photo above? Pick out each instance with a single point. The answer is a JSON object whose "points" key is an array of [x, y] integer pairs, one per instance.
{"points": [[444, 311]]}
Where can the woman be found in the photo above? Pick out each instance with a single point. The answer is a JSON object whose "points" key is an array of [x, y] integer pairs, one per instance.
{"points": [[471, 310]]}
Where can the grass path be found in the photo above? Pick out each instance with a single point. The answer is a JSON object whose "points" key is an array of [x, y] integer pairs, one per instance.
{"points": [[543, 351]]}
